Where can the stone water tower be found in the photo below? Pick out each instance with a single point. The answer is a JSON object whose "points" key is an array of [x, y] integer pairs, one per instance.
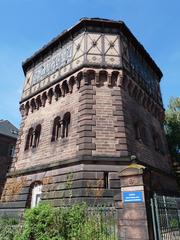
{"points": [[91, 103]]}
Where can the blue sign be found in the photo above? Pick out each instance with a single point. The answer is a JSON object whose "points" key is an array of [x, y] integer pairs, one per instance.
{"points": [[133, 197]]}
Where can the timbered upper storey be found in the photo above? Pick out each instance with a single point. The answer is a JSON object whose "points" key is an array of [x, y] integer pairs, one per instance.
{"points": [[98, 43]]}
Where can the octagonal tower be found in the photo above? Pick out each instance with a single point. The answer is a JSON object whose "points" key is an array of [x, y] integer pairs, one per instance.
{"points": [[91, 103]]}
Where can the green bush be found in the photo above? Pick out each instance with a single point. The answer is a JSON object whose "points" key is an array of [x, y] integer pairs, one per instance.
{"points": [[8, 227], [37, 224], [47, 223]]}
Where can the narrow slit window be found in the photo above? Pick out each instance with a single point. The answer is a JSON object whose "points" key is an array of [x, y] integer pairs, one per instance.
{"points": [[66, 123], [137, 131], [106, 180], [37, 134], [29, 139], [56, 133]]}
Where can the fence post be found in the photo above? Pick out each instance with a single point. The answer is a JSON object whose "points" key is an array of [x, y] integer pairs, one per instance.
{"points": [[131, 207]]}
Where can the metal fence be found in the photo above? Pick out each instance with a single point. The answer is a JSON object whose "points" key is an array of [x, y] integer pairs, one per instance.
{"points": [[105, 220], [166, 217]]}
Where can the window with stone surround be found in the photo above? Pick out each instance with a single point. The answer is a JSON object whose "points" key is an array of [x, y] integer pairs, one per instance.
{"points": [[56, 133], [140, 132], [61, 127], [34, 196], [157, 142], [66, 122], [29, 139], [37, 134], [33, 137]]}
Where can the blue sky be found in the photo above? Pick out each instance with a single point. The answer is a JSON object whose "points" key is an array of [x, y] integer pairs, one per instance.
{"points": [[26, 25]]}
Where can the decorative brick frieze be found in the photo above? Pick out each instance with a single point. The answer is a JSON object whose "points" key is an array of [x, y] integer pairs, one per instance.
{"points": [[84, 80]]}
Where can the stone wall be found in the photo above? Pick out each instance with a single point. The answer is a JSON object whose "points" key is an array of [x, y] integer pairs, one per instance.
{"points": [[48, 151], [145, 151], [5, 158], [101, 139], [61, 186]]}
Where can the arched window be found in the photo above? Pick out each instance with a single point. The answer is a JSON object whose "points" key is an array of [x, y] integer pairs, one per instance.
{"points": [[156, 143], [37, 134], [66, 122], [56, 133], [140, 132], [29, 139], [137, 131], [34, 196], [33, 137]]}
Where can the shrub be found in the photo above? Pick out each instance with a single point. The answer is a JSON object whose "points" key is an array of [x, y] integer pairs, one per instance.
{"points": [[8, 227], [67, 223], [37, 224]]}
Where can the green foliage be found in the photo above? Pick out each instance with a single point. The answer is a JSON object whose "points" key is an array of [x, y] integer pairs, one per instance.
{"points": [[68, 223], [174, 223], [96, 228], [172, 127], [8, 226], [37, 224]]}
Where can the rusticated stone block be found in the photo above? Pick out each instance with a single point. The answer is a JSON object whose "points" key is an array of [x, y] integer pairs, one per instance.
{"points": [[84, 128], [87, 112], [85, 106], [87, 146], [87, 122], [87, 134]]}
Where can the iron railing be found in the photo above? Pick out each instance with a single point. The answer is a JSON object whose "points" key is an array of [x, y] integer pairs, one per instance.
{"points": [[166, 218], [105, 219]]}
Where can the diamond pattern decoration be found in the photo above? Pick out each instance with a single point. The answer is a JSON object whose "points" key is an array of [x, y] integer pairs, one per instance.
{"points": [[94, 43], [78, 47], [28, 80], [111, 45]]}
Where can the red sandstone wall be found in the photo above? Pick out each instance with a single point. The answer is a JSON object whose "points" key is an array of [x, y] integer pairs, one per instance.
{"points": [[144, 152], [48, 151]]}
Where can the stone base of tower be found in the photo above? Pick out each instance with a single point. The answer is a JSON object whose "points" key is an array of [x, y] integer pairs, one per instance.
{"points": [[94, 184]]}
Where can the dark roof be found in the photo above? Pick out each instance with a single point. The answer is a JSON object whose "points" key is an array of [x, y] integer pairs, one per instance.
{"points": [[8, 129], [100, 22]]}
